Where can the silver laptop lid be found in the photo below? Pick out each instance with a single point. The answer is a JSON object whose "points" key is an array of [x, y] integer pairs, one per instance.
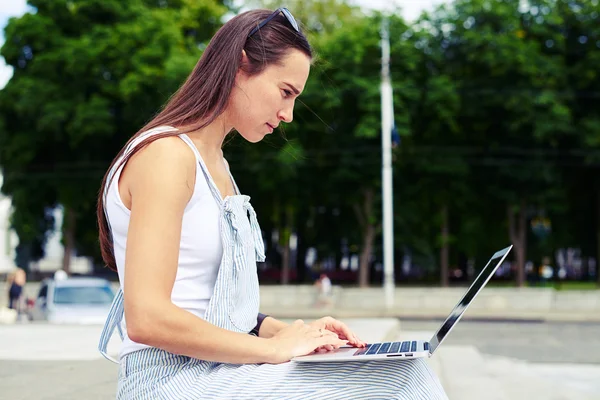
{"points": [[484, 276]]}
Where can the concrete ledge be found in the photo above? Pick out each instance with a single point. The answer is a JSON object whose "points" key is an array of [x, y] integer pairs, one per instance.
{"points": [[543, 304], [305, 313]]}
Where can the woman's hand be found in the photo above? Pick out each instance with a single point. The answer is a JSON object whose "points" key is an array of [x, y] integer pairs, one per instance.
{"points": [[299, 339], [340, 329]]}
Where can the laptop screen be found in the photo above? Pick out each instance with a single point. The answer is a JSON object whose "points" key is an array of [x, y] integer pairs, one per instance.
{"points": [[484, 276]]}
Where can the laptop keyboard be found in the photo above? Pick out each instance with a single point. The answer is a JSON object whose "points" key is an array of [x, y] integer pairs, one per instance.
{"points": [[389, 348]]}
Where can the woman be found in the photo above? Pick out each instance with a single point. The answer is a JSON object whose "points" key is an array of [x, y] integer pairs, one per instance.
{"points": [[185, 242]]}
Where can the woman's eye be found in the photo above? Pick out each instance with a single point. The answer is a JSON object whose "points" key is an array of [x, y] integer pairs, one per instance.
{"points": [[287, 93]]}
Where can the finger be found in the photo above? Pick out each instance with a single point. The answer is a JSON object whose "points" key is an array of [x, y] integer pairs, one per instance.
{"points": [[326, 348], [325, 340], [344, 331], [356, 341]]}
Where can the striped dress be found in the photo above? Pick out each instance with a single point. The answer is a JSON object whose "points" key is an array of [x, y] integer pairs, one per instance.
{"points": [[152, 373]]}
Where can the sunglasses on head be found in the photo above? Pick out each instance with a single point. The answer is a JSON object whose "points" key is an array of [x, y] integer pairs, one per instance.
{"points": [[287, 14]]}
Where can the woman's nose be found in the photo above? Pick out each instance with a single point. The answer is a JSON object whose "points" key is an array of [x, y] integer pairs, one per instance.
{"points": [[286, 115]]}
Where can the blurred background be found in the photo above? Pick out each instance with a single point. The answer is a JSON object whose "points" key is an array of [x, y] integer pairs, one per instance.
{"points": [[495, 140]]}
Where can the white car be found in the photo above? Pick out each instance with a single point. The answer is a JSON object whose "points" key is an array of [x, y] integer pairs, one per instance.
{"points": [[73, 301]]}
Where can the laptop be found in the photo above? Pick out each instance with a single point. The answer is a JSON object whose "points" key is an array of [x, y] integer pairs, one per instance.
{"points": [[414, 348]]}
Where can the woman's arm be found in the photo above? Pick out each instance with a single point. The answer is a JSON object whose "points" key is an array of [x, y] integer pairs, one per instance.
{"points": [[160, 181]]}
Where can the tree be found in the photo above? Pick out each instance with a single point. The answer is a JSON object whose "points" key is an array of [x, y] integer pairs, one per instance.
{"points": [[87, 75], [579, 47], [510, 106], [427, 161], [352, 66]]}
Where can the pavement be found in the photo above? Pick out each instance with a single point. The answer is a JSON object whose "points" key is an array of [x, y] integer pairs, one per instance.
{"points": [[41, 361], [467, 374]]}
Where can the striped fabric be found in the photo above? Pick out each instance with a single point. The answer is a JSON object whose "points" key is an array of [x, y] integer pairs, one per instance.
{"points": [[156, 374], [115, 316]]}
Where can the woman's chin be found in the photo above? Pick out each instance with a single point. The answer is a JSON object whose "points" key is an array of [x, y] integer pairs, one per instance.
{"points": [[255, 138]]}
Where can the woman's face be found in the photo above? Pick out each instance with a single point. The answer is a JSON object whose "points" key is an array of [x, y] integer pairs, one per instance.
{"points": [[260, 102]]}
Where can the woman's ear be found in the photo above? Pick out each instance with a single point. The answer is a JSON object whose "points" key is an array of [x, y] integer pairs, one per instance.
{"points": [[244, 61], [241, 73]]}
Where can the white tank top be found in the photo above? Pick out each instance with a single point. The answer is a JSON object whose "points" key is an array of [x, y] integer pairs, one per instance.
{"points": [[200, 250]]}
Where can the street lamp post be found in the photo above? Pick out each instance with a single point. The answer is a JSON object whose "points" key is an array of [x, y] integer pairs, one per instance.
{"points": [[386, 166]]}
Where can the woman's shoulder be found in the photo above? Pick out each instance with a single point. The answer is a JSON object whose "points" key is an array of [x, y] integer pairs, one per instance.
{"points": [[167, 152], [165, 164]]}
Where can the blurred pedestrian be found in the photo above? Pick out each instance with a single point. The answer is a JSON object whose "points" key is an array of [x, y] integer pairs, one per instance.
{"points": [[546, 271], [15, 283], [324, 291]]}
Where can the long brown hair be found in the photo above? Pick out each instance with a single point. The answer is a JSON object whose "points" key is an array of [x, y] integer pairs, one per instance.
{"points": [[205, 93]]}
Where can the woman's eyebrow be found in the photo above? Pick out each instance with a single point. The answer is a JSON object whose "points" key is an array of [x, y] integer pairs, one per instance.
{"points": [[296, 91]]}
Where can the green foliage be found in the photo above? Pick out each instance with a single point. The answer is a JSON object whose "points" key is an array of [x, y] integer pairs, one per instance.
{"points": [[495, 104]]}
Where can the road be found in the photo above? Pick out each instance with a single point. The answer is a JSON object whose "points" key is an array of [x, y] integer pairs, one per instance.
{"points": [[529, 341]]}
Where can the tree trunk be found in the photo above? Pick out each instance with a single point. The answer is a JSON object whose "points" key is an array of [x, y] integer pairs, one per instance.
{"points": [[301, 259], [368, 228], [285, 264], [276, 243], [598, 238], [445, 248], [365, 254], [285, 242], [69, 238], [517, 230]]}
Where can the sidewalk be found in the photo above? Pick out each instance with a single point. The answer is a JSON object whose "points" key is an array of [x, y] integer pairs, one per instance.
{"points": [[34, 357], [467, 374]]}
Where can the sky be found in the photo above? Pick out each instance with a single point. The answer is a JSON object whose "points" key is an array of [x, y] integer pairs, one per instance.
{"points": [[411, 9]]}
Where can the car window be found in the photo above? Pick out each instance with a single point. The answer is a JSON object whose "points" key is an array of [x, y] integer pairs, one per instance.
{"points": [[83, 295]]}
